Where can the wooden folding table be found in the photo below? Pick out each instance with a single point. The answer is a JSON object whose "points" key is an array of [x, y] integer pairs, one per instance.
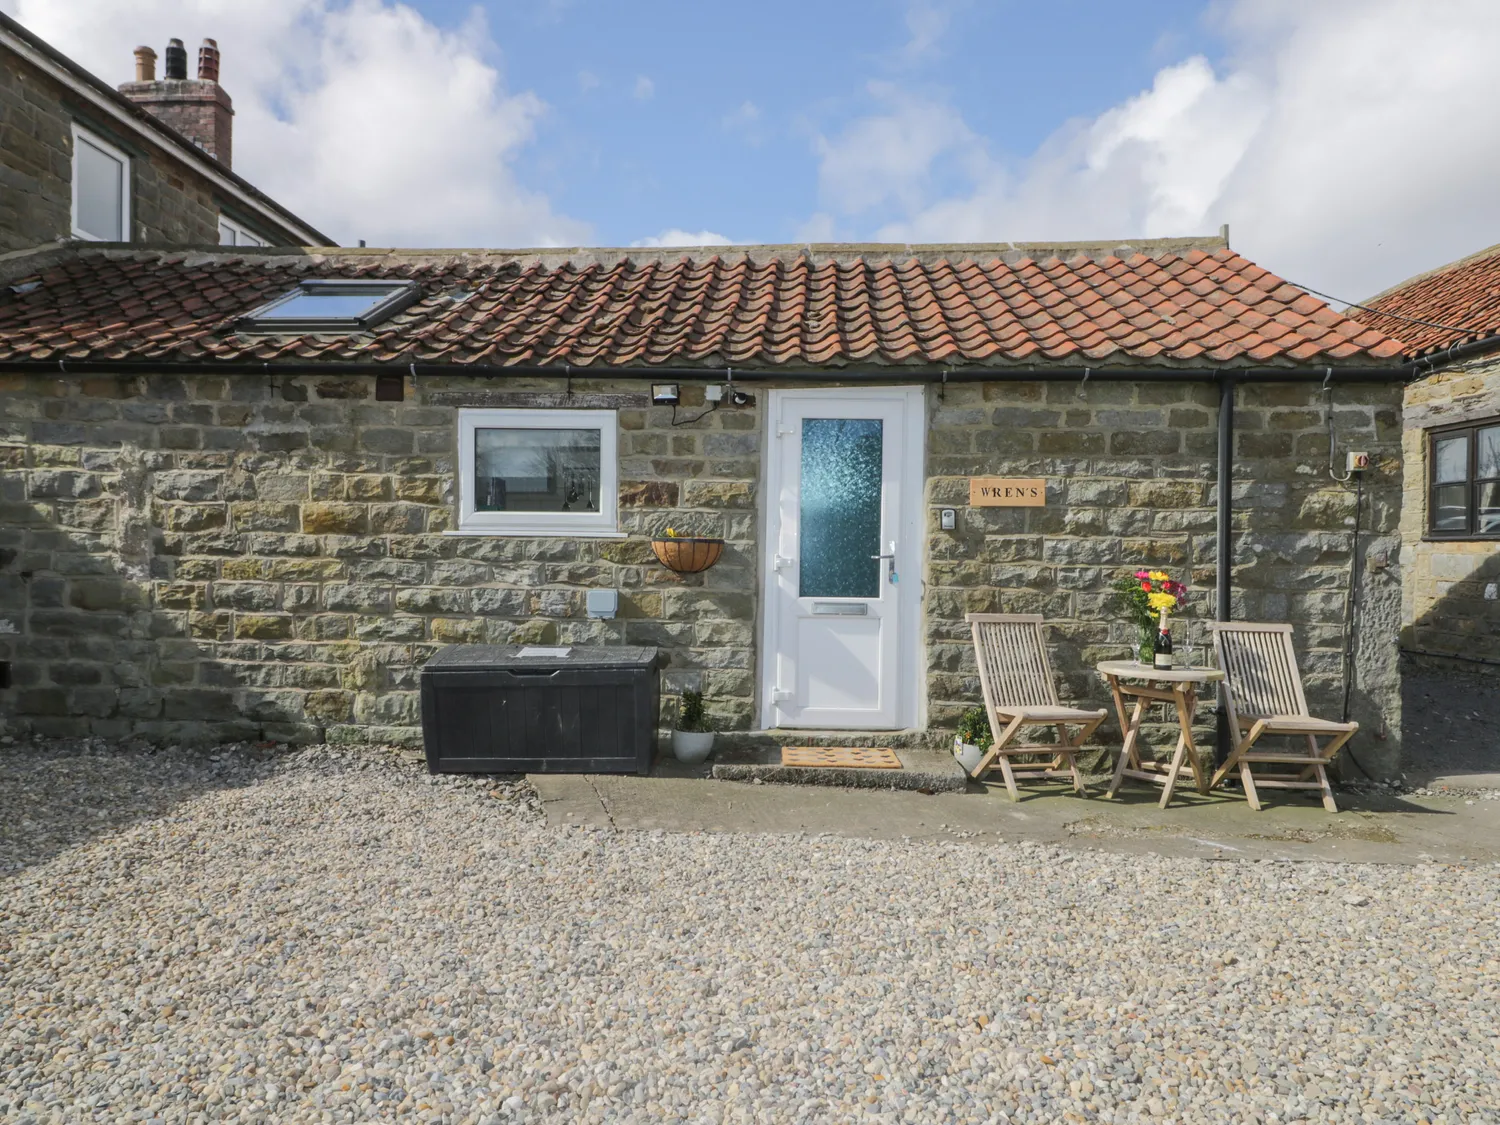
{"points": [[1178, 686]]}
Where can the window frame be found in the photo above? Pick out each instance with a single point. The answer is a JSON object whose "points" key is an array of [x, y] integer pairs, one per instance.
{"points": [[406, 294], [603, 524], [239, 230], [1471, 482], [82, 135]]}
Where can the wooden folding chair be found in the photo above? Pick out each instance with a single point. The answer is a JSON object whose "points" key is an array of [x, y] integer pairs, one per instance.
{"points": [[1263, 692], [1016, 678]]}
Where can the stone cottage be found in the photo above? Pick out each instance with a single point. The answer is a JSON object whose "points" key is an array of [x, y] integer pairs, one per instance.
{"points": [[1450, 523], [249, 494], [146, 163]]}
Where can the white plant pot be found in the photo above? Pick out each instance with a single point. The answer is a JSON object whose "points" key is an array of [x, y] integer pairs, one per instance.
{"points": [[968, 755], [691, 746]]}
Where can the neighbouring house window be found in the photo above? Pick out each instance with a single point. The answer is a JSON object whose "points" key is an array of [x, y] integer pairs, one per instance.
{"points": [[232, 233], [537, 472], [101, 189], [1463, 469], [332, 305]]}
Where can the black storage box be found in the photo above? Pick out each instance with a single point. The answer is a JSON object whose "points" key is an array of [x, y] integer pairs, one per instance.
{"points": [[540, 709]]}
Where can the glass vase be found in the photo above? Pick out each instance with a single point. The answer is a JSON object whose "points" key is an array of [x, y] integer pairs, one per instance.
{"points": [[1147, 647]]}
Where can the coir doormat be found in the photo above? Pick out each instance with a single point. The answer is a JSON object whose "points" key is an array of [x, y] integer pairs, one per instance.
{"points": [[840, 757]]}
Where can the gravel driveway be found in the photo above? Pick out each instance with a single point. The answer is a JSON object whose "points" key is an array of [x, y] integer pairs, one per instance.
{"points": [[319, 937]]}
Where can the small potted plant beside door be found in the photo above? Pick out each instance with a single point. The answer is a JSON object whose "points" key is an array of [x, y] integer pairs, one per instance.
{"points": [[973, 739], [693, 738]]}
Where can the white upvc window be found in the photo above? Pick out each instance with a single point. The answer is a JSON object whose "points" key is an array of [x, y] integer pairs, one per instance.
{"points": [[101, 189], [538, 472], [232, 233]]}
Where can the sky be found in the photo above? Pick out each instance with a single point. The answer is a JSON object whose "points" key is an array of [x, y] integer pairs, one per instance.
{"points": [[1348, 143]]}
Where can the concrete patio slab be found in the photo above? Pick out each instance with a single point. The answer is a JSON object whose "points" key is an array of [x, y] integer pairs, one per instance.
{"points": [[1372, 828], [1452, 780]]}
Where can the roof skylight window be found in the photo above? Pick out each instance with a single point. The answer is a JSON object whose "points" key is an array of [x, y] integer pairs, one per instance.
{"points": [[331, 306]]}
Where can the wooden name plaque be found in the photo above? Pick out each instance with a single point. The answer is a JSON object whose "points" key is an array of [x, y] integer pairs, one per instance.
{"points": [[1006, 492]]}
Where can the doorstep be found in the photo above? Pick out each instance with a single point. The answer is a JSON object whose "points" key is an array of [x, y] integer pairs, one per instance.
{"points": [[756, 756]]}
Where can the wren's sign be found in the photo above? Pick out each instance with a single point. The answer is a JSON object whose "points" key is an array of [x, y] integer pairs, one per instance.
{"points": [[1003, 492]]}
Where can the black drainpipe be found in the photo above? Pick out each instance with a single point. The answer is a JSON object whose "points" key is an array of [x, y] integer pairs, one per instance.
{"points": [[1223, 538], [867, 376]]}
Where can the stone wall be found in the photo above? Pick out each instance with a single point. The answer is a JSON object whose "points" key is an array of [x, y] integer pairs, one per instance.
{"points": [[255, 557], [262, 556], [170, 201], [1130, 470], [1451, 601]]}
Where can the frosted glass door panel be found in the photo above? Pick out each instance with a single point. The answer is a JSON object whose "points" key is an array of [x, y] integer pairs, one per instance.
{"points": [[840, 507]]}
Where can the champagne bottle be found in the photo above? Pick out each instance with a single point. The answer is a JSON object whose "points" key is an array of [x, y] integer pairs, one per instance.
{"points": [[1164, 644]]}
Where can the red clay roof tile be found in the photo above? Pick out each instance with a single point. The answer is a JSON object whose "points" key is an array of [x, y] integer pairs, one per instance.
{"points": [[757, 306], [1455, 304]]}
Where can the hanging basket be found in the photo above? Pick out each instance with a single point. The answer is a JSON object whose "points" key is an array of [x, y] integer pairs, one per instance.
{"points": [[687, 555]]}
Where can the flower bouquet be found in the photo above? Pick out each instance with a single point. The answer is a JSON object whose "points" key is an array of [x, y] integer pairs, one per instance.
{"points": [[1144, 596]]}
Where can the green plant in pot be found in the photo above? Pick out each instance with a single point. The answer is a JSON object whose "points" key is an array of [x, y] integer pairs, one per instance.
{"points": [[972, 739], [693, 738]]}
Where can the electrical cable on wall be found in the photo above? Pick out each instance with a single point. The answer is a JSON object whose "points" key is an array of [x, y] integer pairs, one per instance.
{"points": [[1351, 594], [1351, 612], [702, 414]]}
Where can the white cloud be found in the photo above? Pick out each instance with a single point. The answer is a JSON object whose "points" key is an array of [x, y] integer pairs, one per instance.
{"points": [[587, 80], [746, 113], [747, 121], [889, 157], [644, 89], [1346, 142], [364, 118], [675, 236], [926, 23]]}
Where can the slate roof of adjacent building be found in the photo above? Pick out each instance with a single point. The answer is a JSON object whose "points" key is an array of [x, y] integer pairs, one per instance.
{"points": [[1460, 303], [1160, 303]]}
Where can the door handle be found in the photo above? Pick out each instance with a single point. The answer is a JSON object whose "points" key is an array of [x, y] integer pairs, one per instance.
{"points": [[781, 562]]}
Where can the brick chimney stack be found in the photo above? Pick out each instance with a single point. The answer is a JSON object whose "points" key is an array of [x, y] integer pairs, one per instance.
{"points": [[198, 108]]}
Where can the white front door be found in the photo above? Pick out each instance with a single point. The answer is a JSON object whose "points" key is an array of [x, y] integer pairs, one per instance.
{"points": [[842, 565]]}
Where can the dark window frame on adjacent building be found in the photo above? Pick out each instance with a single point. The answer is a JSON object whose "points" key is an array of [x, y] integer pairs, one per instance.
{"points": [[353, 305], [1463, 481]]}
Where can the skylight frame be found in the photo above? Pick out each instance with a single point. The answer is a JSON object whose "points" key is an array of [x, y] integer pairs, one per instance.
{"points": [[404, 294]]}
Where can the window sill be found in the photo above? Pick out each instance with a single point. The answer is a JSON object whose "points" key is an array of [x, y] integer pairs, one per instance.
{"points": [[1495, 539], [537, 533]]}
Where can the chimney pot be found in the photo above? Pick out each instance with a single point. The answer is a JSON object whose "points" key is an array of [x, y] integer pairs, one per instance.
{"points": [[176, 65], [208, 61], [201, 111], [145, 64]]}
